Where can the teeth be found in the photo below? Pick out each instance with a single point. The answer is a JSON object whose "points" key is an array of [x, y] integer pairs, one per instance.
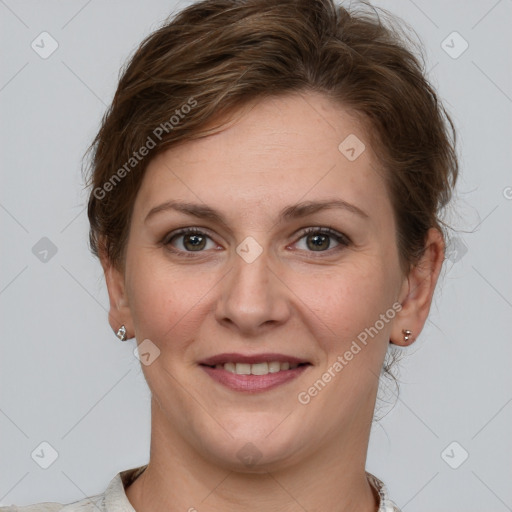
{"points": [[257, 368], [230, 367], [274, 367], [243, 369]]}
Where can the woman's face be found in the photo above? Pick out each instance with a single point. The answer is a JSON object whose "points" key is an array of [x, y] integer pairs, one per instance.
{"points": [[250, 291]]}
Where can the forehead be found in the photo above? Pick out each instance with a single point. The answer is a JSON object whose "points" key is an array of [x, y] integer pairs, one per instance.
{"points": [[274, 152]]}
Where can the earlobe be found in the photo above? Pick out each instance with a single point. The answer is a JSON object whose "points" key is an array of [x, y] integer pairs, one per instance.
{"points": [[418, 291], [119, 315]]}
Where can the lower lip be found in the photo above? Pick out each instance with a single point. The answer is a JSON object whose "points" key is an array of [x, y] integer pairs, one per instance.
{"points": [[253, 383]]}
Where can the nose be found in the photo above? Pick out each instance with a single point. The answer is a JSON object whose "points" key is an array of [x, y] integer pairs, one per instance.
{"points": [[252, 297]]}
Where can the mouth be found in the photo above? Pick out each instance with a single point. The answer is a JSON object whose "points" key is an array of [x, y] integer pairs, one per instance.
{"points": [[256, 368], [253, 373]]}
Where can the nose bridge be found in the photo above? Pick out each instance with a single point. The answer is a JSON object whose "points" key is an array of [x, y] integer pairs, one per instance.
{"points": [[249, 286], [251, 295]]}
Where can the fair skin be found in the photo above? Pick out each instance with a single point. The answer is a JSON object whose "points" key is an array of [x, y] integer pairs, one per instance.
{"points": [[291, 300]]}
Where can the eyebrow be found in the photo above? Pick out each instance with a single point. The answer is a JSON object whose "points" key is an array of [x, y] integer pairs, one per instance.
{"points": [[296, 211]]}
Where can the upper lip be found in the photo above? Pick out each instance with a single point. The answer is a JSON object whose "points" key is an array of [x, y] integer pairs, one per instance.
{"points": [[250, 359]]}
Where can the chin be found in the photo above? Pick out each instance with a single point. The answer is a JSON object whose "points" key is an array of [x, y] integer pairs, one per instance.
{"points": [[256, 444]]}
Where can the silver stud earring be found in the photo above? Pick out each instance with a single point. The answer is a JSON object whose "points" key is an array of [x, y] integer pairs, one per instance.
{"points": [[121, 333], [407, 334]]}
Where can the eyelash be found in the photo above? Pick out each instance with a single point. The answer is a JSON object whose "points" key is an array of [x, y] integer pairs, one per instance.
{"points": [[342, 239]]}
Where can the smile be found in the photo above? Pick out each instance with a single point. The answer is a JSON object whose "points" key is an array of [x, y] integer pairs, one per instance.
{"points": [[253, 373], [257, 368]]}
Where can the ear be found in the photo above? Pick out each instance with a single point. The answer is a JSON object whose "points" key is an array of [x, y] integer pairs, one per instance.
{"points": [[119, 312], [418, 289]]}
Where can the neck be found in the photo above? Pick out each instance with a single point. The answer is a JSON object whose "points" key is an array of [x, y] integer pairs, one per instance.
{"points": [[178, 478]]}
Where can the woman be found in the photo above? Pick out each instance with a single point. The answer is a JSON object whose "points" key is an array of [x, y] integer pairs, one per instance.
{"points": [[265, 199]]}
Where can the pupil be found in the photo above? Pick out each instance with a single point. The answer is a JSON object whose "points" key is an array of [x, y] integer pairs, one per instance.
{"points": [[196, 241], [318, 240]]}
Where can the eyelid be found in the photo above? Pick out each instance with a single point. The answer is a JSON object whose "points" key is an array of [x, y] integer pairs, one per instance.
{"points": [[326, 230], [342, 239], [166, 241], [186, 231]]}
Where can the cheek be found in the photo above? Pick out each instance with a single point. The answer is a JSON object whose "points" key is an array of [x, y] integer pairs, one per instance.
{"points": [[153, 297], [346, 303], [165, 299], [351, 321]]}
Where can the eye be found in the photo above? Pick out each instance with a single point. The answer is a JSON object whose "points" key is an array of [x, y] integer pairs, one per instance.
{"points": [[319, 239], [192, 240]]}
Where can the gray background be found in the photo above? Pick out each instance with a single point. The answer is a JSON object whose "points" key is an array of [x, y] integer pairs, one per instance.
{"points": [[66, 380]]}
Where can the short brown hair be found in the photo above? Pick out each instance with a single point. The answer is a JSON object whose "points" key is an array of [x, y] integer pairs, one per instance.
{"points": [[216, 55]]}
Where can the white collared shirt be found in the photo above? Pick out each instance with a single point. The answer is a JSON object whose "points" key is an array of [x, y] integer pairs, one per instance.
{"points": [[114, 498]]}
